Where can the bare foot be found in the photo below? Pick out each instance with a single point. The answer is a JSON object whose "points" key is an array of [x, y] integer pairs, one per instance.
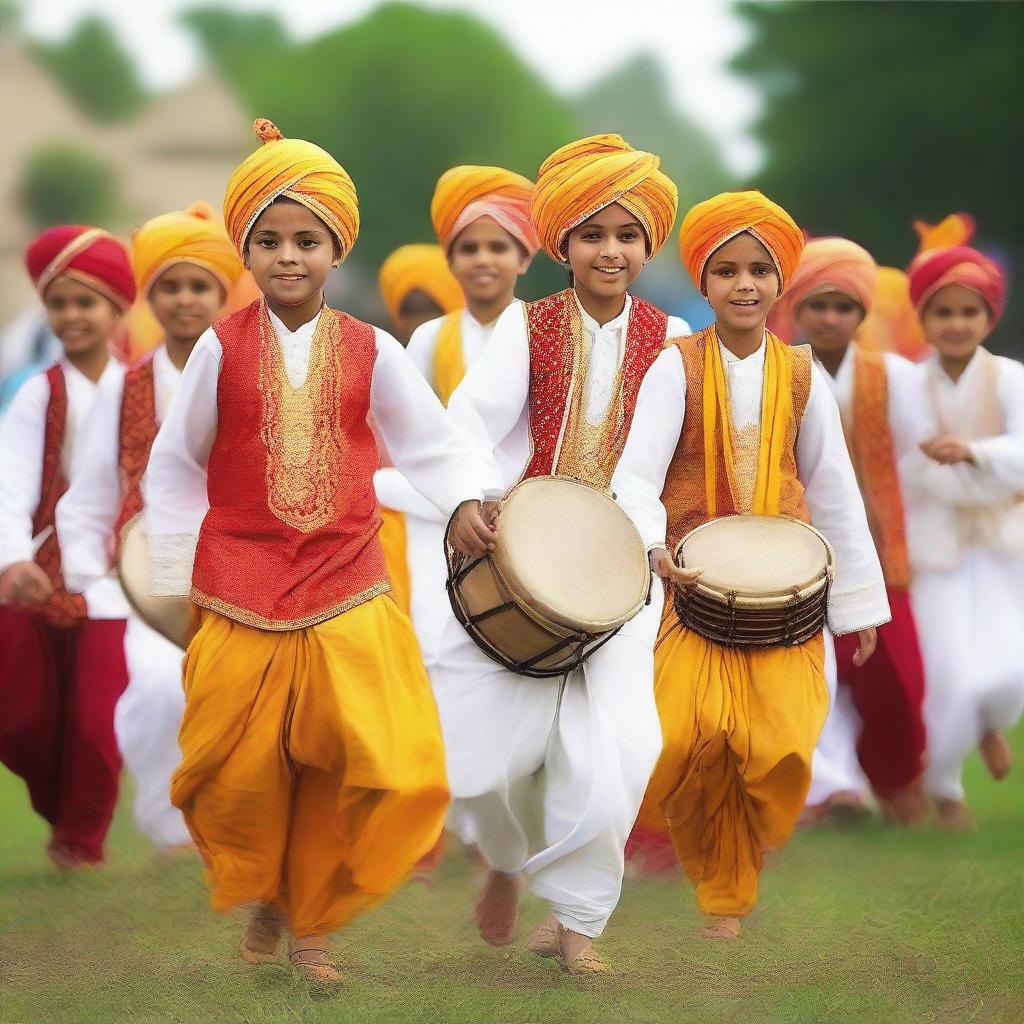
{"points": [[578, 955], [847, 807], [996, 754], [726, 929], [66, 857], [545, 940], [953, 815], [262, 935], [811, 815], [497, 909], [907, 806], [312, 962]]}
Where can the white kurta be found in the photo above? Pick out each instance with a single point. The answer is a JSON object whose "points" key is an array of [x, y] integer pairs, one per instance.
{"points": [[424, 525], [966, 544], [422, 443], [595, 735], [148, 714], [835, 767]]}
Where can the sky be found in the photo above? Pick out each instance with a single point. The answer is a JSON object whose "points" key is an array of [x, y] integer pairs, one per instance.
{"points": [[572, 43]]}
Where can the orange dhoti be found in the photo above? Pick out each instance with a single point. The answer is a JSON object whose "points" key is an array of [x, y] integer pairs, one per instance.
{"points": [[312, 773], [740, 726]]}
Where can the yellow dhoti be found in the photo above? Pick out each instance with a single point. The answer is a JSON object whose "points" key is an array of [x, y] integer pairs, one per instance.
{"points": [[393, 539], [740, 726], [312, 772]]}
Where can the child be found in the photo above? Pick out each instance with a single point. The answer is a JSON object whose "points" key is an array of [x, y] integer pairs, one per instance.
{"points": [[417, 285], [184, 266], [876, 715], [731, 420], [964, 485], [553, 393], [312, 774], [62, 665]]}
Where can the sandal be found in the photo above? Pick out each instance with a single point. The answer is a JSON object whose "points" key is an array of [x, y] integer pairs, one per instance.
{"points": [[726, 929], [545, 940], [587, 964], [262, 935], [312, 963]]}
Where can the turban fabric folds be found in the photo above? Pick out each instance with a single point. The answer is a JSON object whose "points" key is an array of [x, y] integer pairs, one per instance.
{"points": [[88, 255], [936, 268], [419, 267], [580, 179], [190, 236], [299, 171], [712, 223], [466, 193]]}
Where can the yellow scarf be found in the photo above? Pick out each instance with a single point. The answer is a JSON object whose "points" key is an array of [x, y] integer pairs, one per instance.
{"points": [[449, 360], [776, 412]]}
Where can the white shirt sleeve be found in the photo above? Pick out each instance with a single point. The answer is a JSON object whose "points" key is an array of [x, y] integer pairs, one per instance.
{"points": [[395, 492], [676, 327], [421, 348], [857, 599], [654, 433], [489, 402], [422, 442], [1001, 459], [22, 430], [174, 486]]}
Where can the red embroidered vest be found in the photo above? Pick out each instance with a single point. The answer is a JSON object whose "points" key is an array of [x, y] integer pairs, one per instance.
{"points": [[62, 608], [290, 539], [563, 443], [136, 434]]}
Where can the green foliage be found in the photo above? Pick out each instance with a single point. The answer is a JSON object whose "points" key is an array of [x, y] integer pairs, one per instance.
{"points": [[94, 71], [398, 97], [61, 184], [880, 113]]}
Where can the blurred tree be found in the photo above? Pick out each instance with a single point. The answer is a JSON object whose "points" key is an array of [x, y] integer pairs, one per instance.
{"points": [[61, 184], [877, 114], [397, 97], [94, 71]]}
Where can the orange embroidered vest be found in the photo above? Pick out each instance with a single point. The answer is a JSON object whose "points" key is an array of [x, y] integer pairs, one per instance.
{"points": [[136, 434], [563, 443], [290, 539], [685, 494], [869, 439], [62, 609]]}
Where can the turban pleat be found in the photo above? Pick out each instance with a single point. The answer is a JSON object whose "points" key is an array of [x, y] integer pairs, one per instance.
{"points": [[962, 265], [89, 255], [297, 170], [712, 223], [423, 268], [585, 176]]}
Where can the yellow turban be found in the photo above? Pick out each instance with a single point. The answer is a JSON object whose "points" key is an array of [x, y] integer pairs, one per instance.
{"points": [[423, 268], [190, 236], [709, 225], [586, 176], [299, 171], [466, 193]]}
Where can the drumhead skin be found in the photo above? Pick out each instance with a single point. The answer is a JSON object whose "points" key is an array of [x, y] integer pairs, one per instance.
{"points": [[756, 556], [169, 616], [568, 551]]}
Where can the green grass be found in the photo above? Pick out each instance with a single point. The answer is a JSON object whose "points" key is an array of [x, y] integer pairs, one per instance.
{"points": [[864, 925]]}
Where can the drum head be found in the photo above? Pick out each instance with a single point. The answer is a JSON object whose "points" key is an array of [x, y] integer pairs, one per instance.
{"points": [[756, 555], [566, 550], [169, 616]]}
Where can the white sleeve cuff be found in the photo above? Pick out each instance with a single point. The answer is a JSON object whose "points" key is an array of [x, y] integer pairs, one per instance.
{"points": [[850, 611], [171, 557]]}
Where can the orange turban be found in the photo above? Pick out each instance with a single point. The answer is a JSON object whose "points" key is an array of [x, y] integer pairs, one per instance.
{"points": [[299, 171], [423, 268], [959, 264], [709, 225], [892, 324], [956, 229], [191, 236], [827, 265], [90, 256], [586, 176], [467, 193]]}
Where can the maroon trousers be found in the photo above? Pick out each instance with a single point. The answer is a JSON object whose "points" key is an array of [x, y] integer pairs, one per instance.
{"points": [[888, 692], [58, 689]]}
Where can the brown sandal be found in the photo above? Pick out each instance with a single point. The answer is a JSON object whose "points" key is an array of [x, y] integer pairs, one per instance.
{"points": [[261, 938], [312, 963], [727, 929], [587, 964]]}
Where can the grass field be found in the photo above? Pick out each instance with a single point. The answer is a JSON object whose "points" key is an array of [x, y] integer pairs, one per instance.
{"points": [[864, 925]]}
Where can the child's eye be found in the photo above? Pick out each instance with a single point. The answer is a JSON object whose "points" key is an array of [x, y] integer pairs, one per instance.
{"points": [[266, 243], [309, 243]]}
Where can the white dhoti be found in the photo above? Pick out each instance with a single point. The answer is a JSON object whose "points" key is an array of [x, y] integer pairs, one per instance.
{"points": [[146, 723], [429, 607], [546, 775], [971, 627]]}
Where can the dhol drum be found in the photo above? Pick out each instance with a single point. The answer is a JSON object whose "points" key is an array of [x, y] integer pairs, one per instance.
{"points": [[568, 571], [765, 583], [171, 617]]}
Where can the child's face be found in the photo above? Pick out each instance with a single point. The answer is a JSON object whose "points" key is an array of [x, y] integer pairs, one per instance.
{"points": [[486, 260], [290, 252], [956, 321], [607, 252], [185, 299], [416, 309], [828, 321], [81, 318], [741, 283]]}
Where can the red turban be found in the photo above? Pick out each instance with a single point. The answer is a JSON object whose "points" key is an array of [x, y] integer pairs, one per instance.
{"points": [[87, 255], [936, 268]]}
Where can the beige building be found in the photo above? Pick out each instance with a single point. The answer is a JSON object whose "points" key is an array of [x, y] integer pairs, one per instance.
{"points": [[182, 147]]}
